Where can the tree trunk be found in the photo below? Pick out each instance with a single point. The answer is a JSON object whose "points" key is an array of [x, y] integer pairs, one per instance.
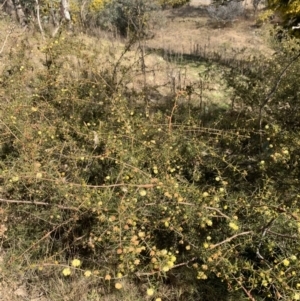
{"points": [[65, 10], [20, 12], [9, 8], [65, 15]]}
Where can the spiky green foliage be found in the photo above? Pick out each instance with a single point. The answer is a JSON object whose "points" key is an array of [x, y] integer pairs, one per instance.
{"points": [[93, 186], [127, 17]]}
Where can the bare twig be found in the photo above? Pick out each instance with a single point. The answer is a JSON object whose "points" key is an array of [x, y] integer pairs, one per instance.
{"points": [[43, 238], [3, 4], [37, 204], [219, 211], [279, 79], [264, 232], [296, 27], [274, 89], [38, 18], [282, 235], [6, 38], [248, 293], [173, 267], [230, 239], [82, 11], [8, 128], [283, 210]]}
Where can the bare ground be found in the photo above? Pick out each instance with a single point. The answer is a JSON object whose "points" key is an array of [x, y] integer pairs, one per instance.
{"points": [[188, 27]]}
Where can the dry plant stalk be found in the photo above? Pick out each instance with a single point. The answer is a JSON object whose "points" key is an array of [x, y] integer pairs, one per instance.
{"points": [[6, 37]]}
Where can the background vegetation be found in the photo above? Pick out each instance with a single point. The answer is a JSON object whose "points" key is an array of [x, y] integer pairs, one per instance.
{"points": [[114, 193]]}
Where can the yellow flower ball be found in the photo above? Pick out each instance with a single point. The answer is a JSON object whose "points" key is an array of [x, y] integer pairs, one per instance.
{"points": [[87, 273], [286, 262], [66, 272], [118, 285], [143, 192], [141, 234], [39, 175], [296, 296], [170, 263], [76, 263], [150, 291], [165, 268], [233, 226], [119, 275]]}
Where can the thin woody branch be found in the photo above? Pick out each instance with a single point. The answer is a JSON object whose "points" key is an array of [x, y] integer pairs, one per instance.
{"points": [[38, 204], [6, 38], [230, 239]]}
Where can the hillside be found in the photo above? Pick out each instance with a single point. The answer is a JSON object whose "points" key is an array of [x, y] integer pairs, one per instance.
{"points": [[149, 167]]}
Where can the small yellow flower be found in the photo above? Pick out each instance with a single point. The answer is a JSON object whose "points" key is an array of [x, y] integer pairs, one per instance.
{"points": [[87, 273], [107, 277], [141, 234], [119, 275], [118, 285], [296, 296], [66, 272], [137, 262], [285, 152], [158, 299], [164, 252], [286, 262], [39, 175], [170, 264], [293, 257], [264, 283], [201, 275], [166, 269], [15, 179], [76, 263], [150, 291], [173, 258], [233, 226], [143, 192], [209, 222]]}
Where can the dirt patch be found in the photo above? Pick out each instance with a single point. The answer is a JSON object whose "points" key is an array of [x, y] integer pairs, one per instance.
{"points": [[188, 28], [188, 48]]}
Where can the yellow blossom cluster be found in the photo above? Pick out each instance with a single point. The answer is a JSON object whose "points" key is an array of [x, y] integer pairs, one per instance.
{"points": [[162, 259], [97, 5]]}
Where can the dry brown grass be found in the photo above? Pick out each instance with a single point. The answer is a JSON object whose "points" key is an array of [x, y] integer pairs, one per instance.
{"points": [[188, 26]]}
